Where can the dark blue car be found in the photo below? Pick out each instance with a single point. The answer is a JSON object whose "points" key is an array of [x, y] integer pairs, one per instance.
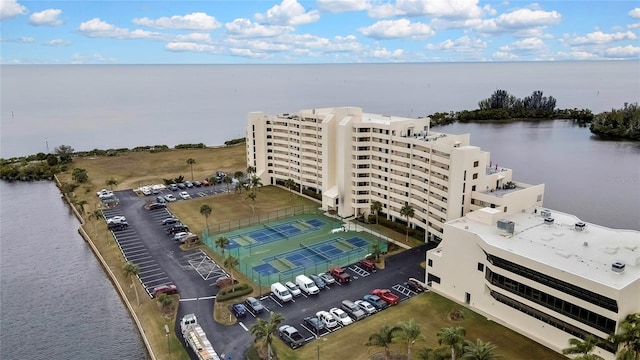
{"points": [[239, 310]]}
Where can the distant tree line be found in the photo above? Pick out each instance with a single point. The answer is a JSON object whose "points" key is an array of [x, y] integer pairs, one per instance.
{"points": [[618, 123], [191, 146], [235, 141]]}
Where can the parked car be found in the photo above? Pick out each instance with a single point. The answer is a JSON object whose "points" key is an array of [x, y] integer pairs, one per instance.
{"points": [[181, 186], [173, 187], [185, 195], [340, 275], [116, 226], [179, 235], [318, 281], [197, 183], [177, 228], [367, 264], [352, 309], [327, 319], [224, 281], [386, 295], [116, 219], [293, 288], [315, 325], [104, 192], [341, 316], [160, 199], [366, 306], [170, 198], [188, 184], [164, 289], [189, 238], [375, 300], [156, 206], [254, 305], [415, 285], [205, 182], [290, 336], [170, 221], [328, 279], [238, 310]]}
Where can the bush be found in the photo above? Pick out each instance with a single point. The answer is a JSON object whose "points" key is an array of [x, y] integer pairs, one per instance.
{"points": [[240, 290], [190, 146], [234, 141], [312, 194]]}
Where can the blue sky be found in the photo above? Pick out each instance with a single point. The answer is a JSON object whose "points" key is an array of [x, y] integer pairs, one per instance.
{"points": [[321, 31]]}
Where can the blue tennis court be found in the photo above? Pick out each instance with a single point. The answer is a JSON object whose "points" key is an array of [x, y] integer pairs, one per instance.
{"points": [[276, 232]]}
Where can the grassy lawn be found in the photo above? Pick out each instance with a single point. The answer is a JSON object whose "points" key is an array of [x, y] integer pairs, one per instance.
{"points": [[430, 311]]}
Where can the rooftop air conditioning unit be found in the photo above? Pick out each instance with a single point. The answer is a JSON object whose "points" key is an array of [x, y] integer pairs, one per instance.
{"points": [[545, 213], [580, 226], [617, 267], [507, 225], [548, 220]]}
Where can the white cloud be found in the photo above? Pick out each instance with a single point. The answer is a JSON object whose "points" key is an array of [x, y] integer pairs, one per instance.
{"points": [[529, 45], [633, 26], [95, 58], [335, 44], [462, 44], [10, 9], [190, 46], [599, 37], [501, 55], [518, 20], [383, 53], [247, 53], [396, 29], [578, 55], [197, 21], [635, 13], [99, 29], [197, 37], [245, 28], [59, 42], [452, 9], [289, 12], [47, 17], [336, 6], [22, 40], [628, 51]]}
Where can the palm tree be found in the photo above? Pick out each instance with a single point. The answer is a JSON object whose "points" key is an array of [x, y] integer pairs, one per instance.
{"points": [[131, 270], [95, 215], [111, 183], [376, 207], [231, 262], [578, 346], [628, 338], [479, 350], [191, 161], [290, 184], [251, 170], [80, 204], [408, 212], [222, 242], [256, 182], [263, 329], [252, 195], [227, 180], [452, 336], [424, 353], [205, 210], [408, 333], [164, 300], [383, 338]]}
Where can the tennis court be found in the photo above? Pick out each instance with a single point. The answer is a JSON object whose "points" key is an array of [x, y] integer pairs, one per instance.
{"points": [[302, 244]]}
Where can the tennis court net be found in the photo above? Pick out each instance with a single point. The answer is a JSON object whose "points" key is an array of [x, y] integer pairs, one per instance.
{"points": [[315, 251], [280, 232]]}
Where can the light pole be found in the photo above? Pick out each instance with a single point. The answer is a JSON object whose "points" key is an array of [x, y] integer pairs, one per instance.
{"points": [[166, 331]]}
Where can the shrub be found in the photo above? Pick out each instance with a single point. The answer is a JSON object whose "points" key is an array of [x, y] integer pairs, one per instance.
{"points": [[240, 290]]}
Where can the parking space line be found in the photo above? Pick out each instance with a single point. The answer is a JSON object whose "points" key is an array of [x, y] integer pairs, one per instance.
{"points": [[154, 270], [138, 258]]}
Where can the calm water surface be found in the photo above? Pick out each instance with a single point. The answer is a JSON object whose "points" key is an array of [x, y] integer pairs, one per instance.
{"points": [[56, 302]]}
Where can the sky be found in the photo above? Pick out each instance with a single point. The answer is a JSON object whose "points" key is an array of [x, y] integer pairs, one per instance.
{"points": [[320, 31]]}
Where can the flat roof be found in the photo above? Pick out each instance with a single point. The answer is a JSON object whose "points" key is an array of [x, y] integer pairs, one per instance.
{"points": [[588, 253]]}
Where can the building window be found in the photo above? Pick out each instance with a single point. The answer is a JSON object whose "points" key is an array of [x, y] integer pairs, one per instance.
{"points": [[480, 267], [473, 188], [432, 278], [475, 176], [430, 263], [505, 209], [539, 198], [476, 163]]}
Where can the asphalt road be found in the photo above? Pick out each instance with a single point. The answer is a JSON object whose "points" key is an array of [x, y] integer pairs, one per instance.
{"points": [[169, 264]]}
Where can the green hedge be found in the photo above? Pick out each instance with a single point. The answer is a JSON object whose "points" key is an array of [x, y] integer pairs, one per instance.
{"points": [[398, 227], [240, 290]]}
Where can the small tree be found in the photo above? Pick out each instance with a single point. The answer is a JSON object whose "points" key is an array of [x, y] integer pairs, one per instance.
{"points": [[252, 196], [408, 333], [64, 152], [290, 184], [165, 301], [453, 337], [581, 347], [227, 180], [231, 262], [408, 212], [206, 210], [383, 338], [131, 270], [80, 203], [479, 350], [628, 338], [95, 215], [222, 242], [263, 329], [376, 207], [190, 162], [79, 175], [111, 183]]}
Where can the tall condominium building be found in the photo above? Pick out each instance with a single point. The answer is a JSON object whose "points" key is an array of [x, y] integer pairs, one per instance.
{"points": [[545, 274], [353, 158]]}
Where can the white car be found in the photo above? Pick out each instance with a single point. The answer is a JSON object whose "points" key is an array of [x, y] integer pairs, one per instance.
{"points": [[179, 236], [185, 195], [116, 220], [104, 192], [327, 319], [293, 288], [366, 306], [170, 197], [328, 279], [341, 316]]}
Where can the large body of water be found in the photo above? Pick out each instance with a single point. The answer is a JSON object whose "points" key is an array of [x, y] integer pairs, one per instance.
{"points": [[56, 302]]}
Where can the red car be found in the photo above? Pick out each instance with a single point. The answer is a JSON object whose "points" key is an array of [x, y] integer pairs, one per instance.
{"points": [[368, 264], [164, 289], [386, 295]]}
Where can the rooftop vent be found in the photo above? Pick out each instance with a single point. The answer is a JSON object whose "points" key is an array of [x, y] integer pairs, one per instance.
{"points": [[545, 213], [548, 221], [506, 225], [580, 226], [617, 267]]}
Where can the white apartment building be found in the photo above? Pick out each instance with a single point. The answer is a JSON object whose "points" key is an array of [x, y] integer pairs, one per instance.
{"points": [[354, 158], [545, 274]]}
